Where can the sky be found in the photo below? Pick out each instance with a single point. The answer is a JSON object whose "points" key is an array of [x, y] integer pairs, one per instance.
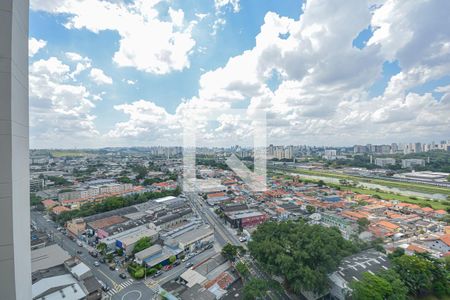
{"points": [[321, 72]]}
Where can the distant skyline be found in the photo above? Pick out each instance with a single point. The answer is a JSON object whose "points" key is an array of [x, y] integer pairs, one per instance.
{"points": [[327, 72]]}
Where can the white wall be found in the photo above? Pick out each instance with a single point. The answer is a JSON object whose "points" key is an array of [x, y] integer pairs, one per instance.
{"points": [[15, 254]]}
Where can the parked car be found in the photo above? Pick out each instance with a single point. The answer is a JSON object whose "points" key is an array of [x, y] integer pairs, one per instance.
{"points": [[209, 246], [158, 273], [189, 264], [176, 263], [167, 268], [102, 260], [112, 267], [96, 263], [123, 275], [79, 252]]}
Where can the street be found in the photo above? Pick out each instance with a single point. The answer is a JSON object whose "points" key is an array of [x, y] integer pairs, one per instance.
{"points": [[118, 286]]}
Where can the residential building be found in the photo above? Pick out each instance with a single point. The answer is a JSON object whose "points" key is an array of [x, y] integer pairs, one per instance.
{"points": [[384, 162], [412, 162]]}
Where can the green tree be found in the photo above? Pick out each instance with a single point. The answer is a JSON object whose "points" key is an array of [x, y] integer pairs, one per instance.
{"points": [[310, 209], [321, 183], [172, 259], [124, 179], [34, 199], [301, 253], [139, 273], [255, 288], [363, 224], [385, 286], [242, 269], [415, 271], [229, 251], [143, 243], [101, 247]]}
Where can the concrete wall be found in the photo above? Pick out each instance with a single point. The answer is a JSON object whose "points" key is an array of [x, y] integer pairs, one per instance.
{"points": [[15, 257]]}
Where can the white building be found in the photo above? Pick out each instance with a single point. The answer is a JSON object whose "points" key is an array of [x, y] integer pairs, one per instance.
{"points": [[330, 154], [412, 162], [383, 162]]}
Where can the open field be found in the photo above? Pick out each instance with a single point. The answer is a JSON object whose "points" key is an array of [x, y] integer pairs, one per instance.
{"points": [[61, 153], [418, 187]]}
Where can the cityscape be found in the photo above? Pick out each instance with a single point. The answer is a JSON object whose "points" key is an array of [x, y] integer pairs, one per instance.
{"points": [[224, 149]]}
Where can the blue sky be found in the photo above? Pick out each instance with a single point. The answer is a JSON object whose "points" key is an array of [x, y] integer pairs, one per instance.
{"points": [[302, 72]]}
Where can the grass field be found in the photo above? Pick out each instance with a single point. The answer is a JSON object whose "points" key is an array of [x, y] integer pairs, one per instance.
{"points": [[61, 153], [418, 187]]}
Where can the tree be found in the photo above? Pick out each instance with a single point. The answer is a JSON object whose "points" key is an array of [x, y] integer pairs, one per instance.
{"points": [[172, 259], [143, 243], [34, 199], [363, 224], [255, 288], [301, 253], [101, 247], [384, 286], [242, 269], [124, 179], [310, 209], [397, 253], [229, 251], [320, 183], [415, 272]]}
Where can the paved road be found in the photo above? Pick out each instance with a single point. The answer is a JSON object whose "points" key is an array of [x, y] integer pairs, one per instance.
{"points": [[111, 278], [222, 234]]}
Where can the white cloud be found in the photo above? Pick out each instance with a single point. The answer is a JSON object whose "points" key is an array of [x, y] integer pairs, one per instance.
{"points": [[322, 95], [130, 82], [146, 42], [234, 4], [60, 112], [34, 45], [99, 77], [82, 63]]}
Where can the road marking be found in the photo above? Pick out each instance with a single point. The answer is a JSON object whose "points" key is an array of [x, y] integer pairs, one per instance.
{"points": [[133, 291], [109, 278]]}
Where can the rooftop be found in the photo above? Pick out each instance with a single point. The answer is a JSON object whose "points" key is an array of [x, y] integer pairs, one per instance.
{"points": [[47, 257]]}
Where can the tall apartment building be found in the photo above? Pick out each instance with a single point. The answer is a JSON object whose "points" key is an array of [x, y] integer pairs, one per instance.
{"points": [[384, 162], [412, 162], [330, 154]]}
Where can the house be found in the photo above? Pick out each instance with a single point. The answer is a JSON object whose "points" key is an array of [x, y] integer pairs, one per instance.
{"points": [[346, 226], [440, 213], [388, 226], [412, 249], [441, 243], [59, 209], [49, 203]]}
